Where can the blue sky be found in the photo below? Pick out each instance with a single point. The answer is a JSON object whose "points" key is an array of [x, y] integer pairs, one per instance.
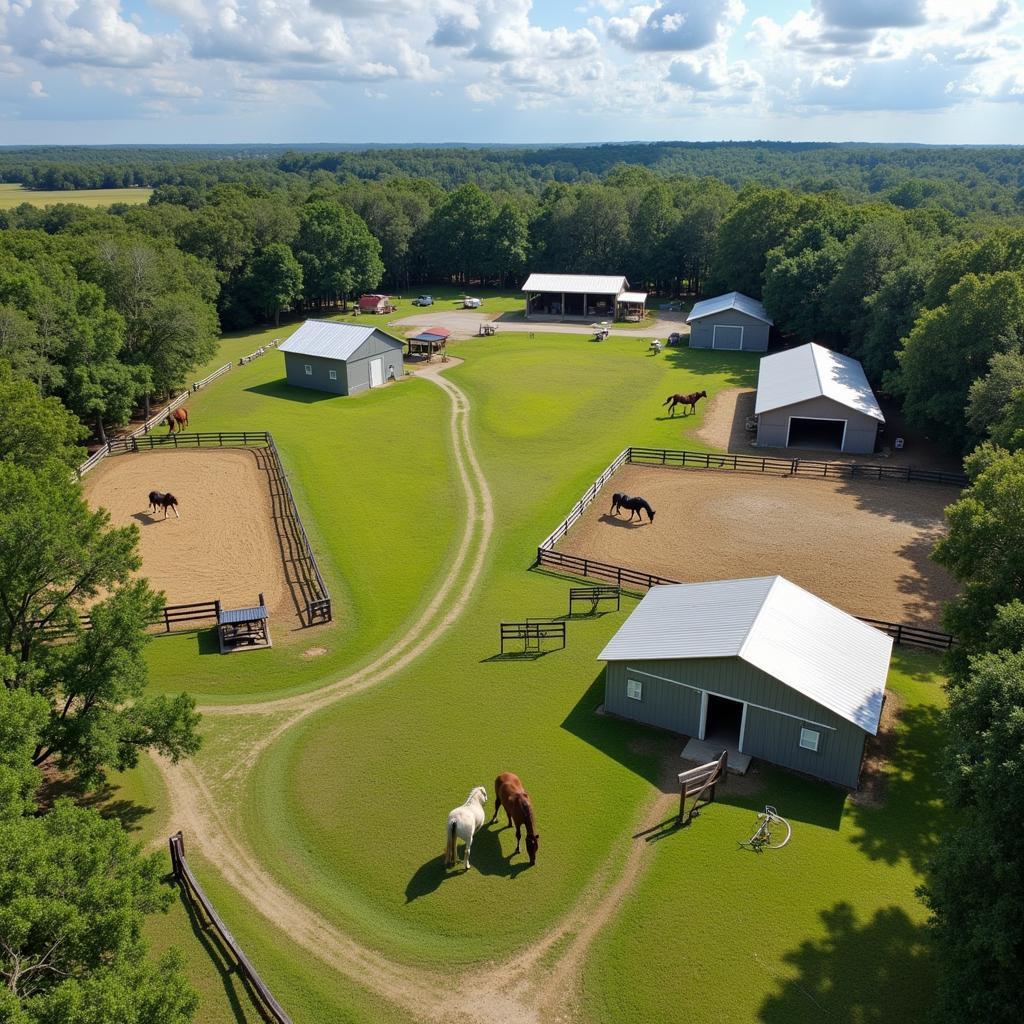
{"points": [[116, 71]]}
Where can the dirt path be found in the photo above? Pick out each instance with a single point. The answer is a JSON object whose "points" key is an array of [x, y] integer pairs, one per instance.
{"points": [[529, 992]]}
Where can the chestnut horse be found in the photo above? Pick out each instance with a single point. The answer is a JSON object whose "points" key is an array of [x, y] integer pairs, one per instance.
{"points": [[178, 418], [690, 400], [509, 793]]}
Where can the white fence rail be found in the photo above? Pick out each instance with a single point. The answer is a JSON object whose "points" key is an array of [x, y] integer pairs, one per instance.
{"points": [[588, 496], [154, 420]]}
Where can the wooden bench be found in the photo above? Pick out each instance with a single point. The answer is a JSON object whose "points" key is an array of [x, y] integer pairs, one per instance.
{"points": [[594, 595], [533, 634]]}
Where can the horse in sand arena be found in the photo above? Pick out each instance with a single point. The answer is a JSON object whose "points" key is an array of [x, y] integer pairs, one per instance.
{"points": [[157, 499], [636, 506], [463, 823], [509, 793], [685, 400], [177, 419]]}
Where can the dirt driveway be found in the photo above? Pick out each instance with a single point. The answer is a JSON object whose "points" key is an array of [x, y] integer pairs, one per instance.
{"points": [[862, 546]]}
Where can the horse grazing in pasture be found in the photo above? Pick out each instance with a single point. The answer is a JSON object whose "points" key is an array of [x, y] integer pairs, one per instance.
{"points": [[157, 499], [686, 400], [509, 793], [636, 506], [463, 823], [178, 418]]}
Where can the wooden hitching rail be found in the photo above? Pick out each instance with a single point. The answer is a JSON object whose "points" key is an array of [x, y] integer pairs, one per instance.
{"points": [[168, 616], [902, 634], [594, 595], [532, 634], [194, 891]]}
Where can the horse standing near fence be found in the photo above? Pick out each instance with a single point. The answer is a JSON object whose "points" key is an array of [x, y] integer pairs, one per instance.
{"points": [[463, 823], [509, 793], [177, 418], [636, 506], [157, 499], [685, 400]]}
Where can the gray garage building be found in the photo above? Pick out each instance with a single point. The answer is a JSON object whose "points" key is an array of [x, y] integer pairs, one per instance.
{"points": [[733, 321], [342, 359], [812, 397], [758, 666]]}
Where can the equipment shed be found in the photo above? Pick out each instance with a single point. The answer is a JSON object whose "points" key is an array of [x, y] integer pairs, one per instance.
{"points": [[758, 666], [342, 359], [733, 321], [811, 397], [581, 296]]}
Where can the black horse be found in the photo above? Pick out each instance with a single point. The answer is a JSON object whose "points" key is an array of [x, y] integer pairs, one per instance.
{"points": [[636, 506], [165, 501]]}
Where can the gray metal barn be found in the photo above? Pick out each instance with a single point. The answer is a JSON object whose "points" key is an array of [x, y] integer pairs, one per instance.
{"points": [[758, 666], [734, 322], [812, 397], [342, 359]]}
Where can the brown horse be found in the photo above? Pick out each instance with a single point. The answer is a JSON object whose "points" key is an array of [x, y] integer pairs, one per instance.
{"points": [[509, 793], [178, 418], [691, 400]]}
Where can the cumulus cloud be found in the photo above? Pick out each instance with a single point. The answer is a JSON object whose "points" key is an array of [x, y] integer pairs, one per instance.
{"points": [[679, 25], [860, 15], [998, 13], [36, 90], [501, 30], [79, 32]]}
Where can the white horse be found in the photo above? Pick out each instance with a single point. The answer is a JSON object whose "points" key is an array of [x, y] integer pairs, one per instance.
{"points": [[463, 823]]}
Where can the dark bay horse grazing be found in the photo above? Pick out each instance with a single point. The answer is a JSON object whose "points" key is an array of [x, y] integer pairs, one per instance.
{"points": [[509, 793], [636, 506], [177, 419], [158, 499], [686, 400]]}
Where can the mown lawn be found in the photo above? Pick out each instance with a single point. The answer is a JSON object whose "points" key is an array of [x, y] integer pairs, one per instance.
{"points": [[12, 195]]}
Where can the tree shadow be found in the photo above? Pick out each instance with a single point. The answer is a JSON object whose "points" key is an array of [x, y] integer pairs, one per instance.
{"points": [[737, 370], [908, 825], [282, 389], [871, 972], [103, 800], [220, 956]]}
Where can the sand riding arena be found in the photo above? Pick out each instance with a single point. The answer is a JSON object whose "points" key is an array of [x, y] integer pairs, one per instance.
{"points": [[229, 542], [861, 545]]}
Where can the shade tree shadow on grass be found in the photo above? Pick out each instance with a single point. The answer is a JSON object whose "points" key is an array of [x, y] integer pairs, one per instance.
{"points": [[737, 369], [102, 800], [908, 825], [861, 972]]}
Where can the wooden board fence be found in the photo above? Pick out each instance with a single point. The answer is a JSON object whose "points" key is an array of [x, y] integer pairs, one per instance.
{"points": [[195, 894], [903, 634]]}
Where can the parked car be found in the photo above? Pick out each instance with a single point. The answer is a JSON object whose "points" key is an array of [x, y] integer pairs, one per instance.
{"points": [[674, 338], [423, 300], [469, 303]]}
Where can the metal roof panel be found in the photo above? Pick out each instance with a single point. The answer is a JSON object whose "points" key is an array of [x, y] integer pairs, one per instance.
{"points": [[330, 340], [576, 284], [730, 300]]}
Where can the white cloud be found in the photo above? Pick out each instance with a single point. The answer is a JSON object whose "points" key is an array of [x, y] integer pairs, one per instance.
{"points": [[36, 90], [871, 14], [679, 25]]}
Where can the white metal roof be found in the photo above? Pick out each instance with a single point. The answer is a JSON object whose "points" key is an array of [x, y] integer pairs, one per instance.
{"points": [[731, 300], [329, 340], [811, 371], [633, 297], [576, 284], [774, 625]]}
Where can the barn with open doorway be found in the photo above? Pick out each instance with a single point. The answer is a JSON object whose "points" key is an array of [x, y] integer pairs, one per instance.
{"points": [[342, 359], [732, 322], [758, 667], [582, 297], [812, 398]]}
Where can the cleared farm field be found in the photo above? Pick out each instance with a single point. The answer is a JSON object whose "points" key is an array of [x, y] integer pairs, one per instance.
{"points": [[15, 195]]}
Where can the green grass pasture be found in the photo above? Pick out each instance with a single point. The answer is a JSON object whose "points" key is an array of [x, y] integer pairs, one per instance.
{"points": [[12, 195]]}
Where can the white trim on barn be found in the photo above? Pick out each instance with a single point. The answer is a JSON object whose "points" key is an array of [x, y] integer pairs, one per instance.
{"points": [[724, 328]]}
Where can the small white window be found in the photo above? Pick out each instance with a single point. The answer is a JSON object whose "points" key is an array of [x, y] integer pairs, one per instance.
{"points": [[309, 370], [634, 689], [809, 739], [333, 374]]}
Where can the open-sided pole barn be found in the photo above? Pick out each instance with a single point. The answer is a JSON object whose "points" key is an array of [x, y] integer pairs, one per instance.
{"points": [[581, 297]]}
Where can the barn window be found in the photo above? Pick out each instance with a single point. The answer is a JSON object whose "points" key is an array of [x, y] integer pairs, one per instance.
{"points": [[634, 689], [809, 738], [309, 370], [333, 374]]}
